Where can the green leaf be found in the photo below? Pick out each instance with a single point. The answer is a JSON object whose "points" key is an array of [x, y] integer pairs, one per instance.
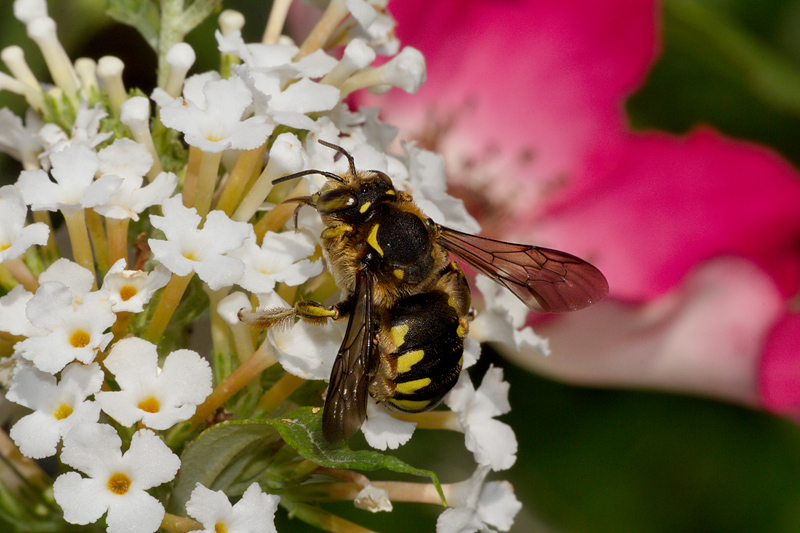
{"points": [[770, 77], [144, 15], [218, 456], [302, 430]]}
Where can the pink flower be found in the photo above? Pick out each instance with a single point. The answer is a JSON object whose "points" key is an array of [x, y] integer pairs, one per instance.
{"points": [[697, 234]]}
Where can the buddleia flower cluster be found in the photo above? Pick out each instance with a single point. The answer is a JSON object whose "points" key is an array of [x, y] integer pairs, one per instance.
{"points": [[172, 227]]}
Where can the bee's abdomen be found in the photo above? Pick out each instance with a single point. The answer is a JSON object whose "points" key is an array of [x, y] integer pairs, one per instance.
{"points": [[422, 342]]}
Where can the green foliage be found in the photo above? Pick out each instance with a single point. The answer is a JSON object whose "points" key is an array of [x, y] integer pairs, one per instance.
{"points": [[144, 15], [302, 430], [220, 454]]}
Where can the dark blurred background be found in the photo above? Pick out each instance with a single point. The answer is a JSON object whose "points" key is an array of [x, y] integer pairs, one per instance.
{"points": [[592, 460]]}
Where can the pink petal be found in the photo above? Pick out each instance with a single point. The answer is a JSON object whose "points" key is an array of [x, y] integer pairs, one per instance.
{"points": [[673, 202], [704, 337], [780, 367], [537, 84]]}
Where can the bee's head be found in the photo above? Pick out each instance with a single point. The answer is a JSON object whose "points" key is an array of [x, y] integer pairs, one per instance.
{"points": [[349, 195]]}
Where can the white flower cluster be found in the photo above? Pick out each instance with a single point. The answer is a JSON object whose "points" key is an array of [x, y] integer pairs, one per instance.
{"points": [[91, 377]]}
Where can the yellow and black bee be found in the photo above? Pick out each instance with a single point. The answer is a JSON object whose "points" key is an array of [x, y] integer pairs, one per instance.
{"points": [[408, 304]]}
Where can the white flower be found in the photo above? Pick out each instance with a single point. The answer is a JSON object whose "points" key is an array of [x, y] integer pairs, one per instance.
{"points": [[493, 442], [131, 161], [373, 499], [74, 187], [424, 175], [76, 328], [18, 140], [303, 349], [160, 398], [130, 290], [503, 319], [383, 431], [475, 506], [253, 513], [406, 70], [12, 313], [216, 124], [13, 317], [57, 407], [282, 257], [75, 277], [15, 236], [189, 249], [85, 131], [117, 482], [267, 70], [125, 158]]}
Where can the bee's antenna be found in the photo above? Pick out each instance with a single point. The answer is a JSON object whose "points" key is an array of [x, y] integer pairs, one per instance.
{"points": [[329, 175], [343, 152]]}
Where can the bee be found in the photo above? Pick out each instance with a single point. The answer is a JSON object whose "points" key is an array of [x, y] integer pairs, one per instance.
{"points": [[408, 304]]}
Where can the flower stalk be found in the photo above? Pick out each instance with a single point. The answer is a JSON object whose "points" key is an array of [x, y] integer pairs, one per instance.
{"points": [[327, 24], [206, 181], [22, 273], [79, 238], [236, 381], [169, 301], [241, 173], [180, 524], [278, 393]]}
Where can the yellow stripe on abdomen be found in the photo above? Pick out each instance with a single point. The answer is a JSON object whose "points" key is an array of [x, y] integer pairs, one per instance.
{"points": [[411, 406], [406, 361], [410, 387]]}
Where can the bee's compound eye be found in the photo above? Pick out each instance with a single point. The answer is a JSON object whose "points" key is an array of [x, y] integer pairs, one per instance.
{"points": [[336, 200]]}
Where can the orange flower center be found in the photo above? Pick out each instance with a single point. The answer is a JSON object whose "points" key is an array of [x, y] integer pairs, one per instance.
{"points": [[119, 483], [149, 405], [79, 338], [127, 292], [62, 412]]}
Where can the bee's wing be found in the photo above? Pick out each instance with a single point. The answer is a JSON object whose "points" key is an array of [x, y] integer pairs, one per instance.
{"points": [[346, 401], [544, 279]]}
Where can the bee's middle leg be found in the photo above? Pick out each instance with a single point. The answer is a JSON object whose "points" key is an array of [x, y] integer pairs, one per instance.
{"points": [[309, 310]]}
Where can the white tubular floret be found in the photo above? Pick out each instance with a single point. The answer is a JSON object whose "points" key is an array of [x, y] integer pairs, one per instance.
{"points": [[357, 55], [109, 69], [43, 32], [405, 70], [135, 113], [180, 59]]}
